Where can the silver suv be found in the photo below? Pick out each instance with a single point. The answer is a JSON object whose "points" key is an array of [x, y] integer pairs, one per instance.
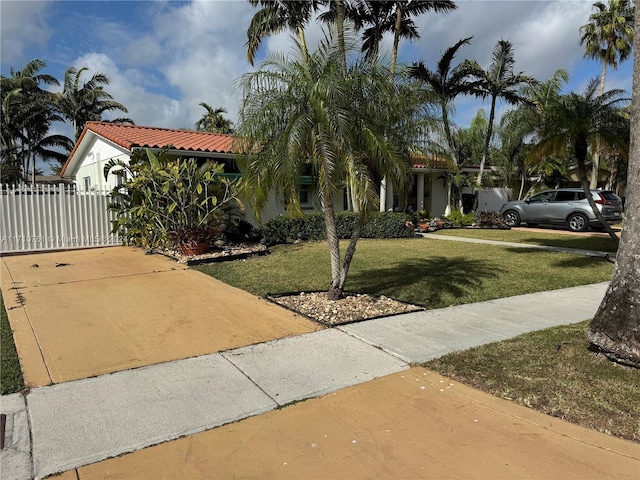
{"points": [[564, 206]]}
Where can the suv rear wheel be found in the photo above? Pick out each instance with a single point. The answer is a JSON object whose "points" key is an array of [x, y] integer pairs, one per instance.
{"points": [[511, 218], [577, 222]]}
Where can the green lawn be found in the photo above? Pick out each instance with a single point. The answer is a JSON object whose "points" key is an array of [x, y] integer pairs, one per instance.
{"points": [[554, 372], [583, 242], [10, 373], [431, 274]]}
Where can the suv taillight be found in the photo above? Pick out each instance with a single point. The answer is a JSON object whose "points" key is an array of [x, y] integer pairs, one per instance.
{"points": [[602, 201]]}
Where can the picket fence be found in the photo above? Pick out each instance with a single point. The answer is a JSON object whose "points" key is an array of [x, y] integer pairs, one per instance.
{"points": [[49, 217]]}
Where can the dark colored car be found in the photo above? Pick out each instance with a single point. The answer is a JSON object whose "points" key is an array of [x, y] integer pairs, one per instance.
{"points": [[563, 206]]}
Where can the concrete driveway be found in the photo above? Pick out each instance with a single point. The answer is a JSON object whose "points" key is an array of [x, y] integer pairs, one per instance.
{"points": [[82, 313]]}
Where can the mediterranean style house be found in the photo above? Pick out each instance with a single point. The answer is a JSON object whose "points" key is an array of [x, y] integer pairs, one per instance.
{"points": [[101, 142]]}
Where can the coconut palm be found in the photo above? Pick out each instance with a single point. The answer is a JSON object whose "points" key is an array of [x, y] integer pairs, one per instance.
{"points": [[446, 83], [608, 37], [80, 103], [582, 122], [615, 326], [403, 26], [213, 120], [383, 16], [276, 16], [28, 111], [498, 82], [301, 116]]}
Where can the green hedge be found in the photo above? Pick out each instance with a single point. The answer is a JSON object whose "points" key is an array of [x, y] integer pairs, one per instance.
{"points": [[283, 229]]}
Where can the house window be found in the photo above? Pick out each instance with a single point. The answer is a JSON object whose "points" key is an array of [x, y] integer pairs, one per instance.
{"points": [[86, 181], [304, 196], [121, 178]]}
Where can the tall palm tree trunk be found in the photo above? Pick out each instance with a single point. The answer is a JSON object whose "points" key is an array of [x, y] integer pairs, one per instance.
{"points": [[452, 150], [303, 43], [396, 37], [487, 141], [595, 164]]}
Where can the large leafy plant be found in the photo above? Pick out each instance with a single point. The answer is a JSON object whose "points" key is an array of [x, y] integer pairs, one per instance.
{"points": [[169, 202]]}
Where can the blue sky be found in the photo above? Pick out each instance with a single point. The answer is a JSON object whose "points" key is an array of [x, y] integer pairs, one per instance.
{"points": [[164, 58]]}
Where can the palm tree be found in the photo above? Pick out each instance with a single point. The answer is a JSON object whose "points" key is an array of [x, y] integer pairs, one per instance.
{"points": [[303, 116], [403, 26], [615, 326], [446, 83], [28, 111], [276, 16], [518, 126], [383, 16], [89, 101], [582, 122], [213, 120], [497, 82], [608, 37]]}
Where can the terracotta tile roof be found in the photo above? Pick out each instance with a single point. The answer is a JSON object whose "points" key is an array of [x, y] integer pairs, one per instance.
{"points": [[431, 163], [130, 137], [134, 136]]}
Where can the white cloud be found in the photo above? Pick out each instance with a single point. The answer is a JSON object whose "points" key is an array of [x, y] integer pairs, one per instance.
{"points": [[23, 24], [127, 86]]}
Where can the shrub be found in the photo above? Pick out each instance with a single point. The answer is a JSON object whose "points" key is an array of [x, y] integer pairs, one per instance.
{"points": [[239, 230], [311, 227], [490, 219], [172, 202], [461, 219]]}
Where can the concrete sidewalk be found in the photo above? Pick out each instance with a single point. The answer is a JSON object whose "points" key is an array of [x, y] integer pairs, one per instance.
{"points": [[369, 414]]}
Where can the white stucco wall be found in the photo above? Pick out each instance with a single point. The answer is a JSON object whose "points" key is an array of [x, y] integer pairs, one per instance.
{"points": [[98, 155]]}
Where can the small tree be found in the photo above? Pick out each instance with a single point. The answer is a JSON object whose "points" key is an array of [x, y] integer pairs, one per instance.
{"points": [[307, 115]]}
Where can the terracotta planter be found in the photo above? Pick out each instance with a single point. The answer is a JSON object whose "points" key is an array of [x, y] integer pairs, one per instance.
{"points": [[424, 227], [440, 224], [193, 249]]}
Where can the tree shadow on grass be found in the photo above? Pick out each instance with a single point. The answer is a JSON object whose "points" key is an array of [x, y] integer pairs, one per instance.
{"points": [[425, 281]]}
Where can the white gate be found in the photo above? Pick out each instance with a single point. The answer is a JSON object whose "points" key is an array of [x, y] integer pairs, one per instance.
{"points": [[47, 217]]}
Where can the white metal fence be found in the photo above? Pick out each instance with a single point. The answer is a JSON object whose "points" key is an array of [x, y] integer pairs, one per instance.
{"points": [[47, 217]]}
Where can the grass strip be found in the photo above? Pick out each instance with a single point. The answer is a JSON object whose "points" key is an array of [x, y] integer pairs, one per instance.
{"points": [[431, 274], [582, 242], [11, 380], [554, 372]]}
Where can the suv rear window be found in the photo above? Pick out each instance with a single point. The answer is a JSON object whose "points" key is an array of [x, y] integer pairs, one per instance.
{"points": [[608, 195]]}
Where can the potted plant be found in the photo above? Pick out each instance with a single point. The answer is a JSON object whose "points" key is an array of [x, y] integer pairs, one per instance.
{"points": [[193, 240]]}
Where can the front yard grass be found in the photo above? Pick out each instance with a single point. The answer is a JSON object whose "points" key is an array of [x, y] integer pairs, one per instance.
{"points": [[431, 274], [583, 242], [553, 371], [10, 373]]}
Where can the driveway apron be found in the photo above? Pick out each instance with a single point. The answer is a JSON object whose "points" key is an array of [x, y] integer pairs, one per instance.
{"points": [[82, 313]]}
